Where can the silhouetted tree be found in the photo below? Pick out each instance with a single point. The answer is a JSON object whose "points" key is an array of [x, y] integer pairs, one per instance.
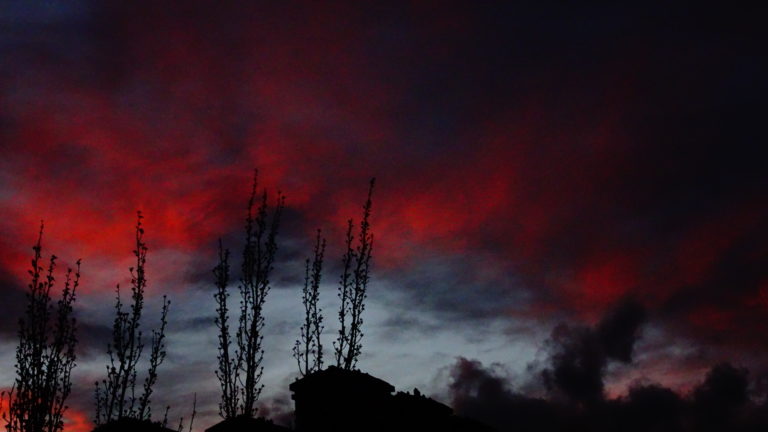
{"points": [[240, 373], [308, 350], [180, 428], [45, 355], [353, 286], [116, 395], [228, 364]]}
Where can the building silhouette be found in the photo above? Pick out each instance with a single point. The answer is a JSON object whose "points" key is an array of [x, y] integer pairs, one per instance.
{"points": [[339, 400], [348, 400], [245, 423], [127, 424]]}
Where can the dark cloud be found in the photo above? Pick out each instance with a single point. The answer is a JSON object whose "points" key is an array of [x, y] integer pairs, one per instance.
{"points": [[477, 392], [11, 308], [719, 403], [92, 337], [580, 354], [722, 393], [278, 408], [441, 285], [652, 407], [578, 364], [620, 329], [731, 298]]}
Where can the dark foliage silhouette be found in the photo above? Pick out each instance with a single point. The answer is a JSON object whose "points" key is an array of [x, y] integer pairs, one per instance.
{"points": [[240, 372], [308, 349], [353, 286], [45, 354], [116, 396]]}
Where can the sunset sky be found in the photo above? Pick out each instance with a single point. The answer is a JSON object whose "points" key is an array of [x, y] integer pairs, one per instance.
{"points": [[536, 166]]}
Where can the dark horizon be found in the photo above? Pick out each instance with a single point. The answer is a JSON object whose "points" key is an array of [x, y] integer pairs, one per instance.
{"points": [[570, 200]]}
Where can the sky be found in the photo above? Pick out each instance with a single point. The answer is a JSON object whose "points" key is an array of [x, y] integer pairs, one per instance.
{"points": [[538, 168]]}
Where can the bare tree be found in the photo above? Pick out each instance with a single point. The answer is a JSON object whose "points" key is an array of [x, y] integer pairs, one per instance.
{"points": [[308, 350], [353, 286], [180, 428], [240, 372], [45, 355], [116, 395], [228, 364]]}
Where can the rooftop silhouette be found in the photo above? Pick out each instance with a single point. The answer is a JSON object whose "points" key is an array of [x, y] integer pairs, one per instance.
{"points": [[127, 424], [245, 423], [350, 400]]}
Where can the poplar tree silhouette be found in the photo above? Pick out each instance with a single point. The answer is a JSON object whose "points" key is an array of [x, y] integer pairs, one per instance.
{"points": [[229, 365], [353, 286], [45, 355], [116, 394], [308, 349], [240, 373]]}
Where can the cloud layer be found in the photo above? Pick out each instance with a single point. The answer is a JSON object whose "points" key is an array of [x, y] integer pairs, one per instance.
{"points": [[535, 165]]}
